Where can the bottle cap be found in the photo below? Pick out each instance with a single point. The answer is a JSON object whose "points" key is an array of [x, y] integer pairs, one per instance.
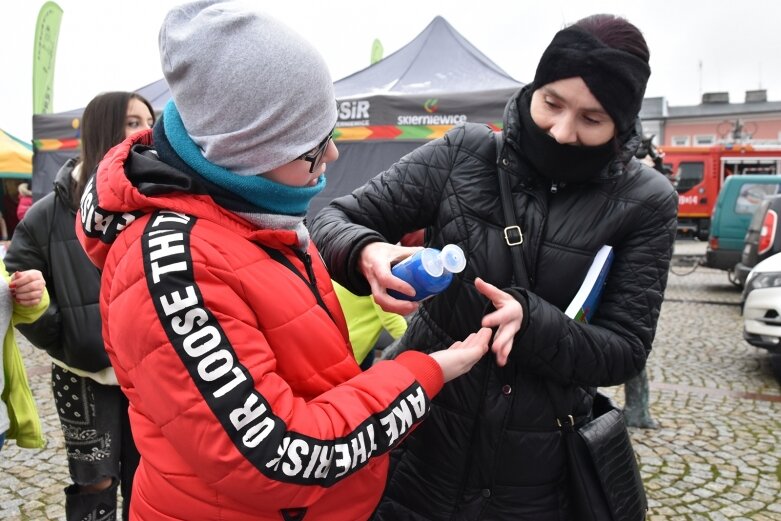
{"points": [[453, 258], [431, 261]]}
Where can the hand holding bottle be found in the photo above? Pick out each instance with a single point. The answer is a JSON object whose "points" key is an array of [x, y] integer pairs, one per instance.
{"points": [[429, 271], [460, 357], [375, 265]]}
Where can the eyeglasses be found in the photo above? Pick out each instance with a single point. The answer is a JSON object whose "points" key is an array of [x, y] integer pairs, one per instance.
{"points": [[315, 156]]}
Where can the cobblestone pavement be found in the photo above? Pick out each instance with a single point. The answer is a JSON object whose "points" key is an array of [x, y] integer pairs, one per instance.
{"points": [[716, 456]]}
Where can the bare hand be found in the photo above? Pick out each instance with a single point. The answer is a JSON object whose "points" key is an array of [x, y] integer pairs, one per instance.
{"points": [[507, 318], [375, 264], [460, 357], [27, 287]]}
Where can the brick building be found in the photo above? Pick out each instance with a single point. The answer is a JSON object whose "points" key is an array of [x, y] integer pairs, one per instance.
{"points": [[715, 120]]}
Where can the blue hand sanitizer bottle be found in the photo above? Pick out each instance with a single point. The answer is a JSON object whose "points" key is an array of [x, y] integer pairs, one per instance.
{"points": [[429, 271]]}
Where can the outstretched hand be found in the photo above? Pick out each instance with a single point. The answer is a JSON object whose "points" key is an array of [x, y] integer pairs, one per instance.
{"points": [[375, 264], [27, 287], [507, 318], [460, 357]]}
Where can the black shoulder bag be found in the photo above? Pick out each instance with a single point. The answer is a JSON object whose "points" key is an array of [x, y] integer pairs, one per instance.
{"points": [[604, 480]]}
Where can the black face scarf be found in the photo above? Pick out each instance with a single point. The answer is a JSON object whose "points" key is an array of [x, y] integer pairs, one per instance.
{"points": [[557, 162]]}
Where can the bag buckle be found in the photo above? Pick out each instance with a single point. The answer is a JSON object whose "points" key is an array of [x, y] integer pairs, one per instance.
{"points": [[566, 425], [513, 241]]}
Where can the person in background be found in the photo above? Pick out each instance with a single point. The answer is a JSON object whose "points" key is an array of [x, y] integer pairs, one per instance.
{"points": [[23, 298], [494, 447], [365, 322], [10, 202], [93, 412], [25, 200], [219, 317]]}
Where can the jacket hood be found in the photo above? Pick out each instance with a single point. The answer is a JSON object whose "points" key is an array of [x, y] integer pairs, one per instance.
{"points": [[628, 142], [131, 182], [64, 182]]}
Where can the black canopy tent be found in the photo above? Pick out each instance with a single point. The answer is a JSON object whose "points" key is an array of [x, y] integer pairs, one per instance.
{"points": [[414, 95], [386, 110]]}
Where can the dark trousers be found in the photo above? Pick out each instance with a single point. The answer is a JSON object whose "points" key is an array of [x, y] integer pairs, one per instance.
{"points": [[98, 443]]}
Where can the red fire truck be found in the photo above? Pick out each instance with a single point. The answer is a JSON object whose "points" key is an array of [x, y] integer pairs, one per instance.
{"points": [[699, 172]]}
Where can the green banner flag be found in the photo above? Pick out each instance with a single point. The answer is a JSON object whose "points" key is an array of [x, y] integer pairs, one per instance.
{"points": [[376, 51], [47, 31]]}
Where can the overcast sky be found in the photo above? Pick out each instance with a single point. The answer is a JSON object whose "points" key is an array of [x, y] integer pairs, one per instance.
{"points": [[696, 46]]}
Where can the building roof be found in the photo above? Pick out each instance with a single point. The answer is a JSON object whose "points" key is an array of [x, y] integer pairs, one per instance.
{"points": [[723, 109], [657, 108]]}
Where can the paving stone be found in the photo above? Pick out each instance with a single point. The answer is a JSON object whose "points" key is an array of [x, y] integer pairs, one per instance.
{"points": [[715, 457], [32, 505]]}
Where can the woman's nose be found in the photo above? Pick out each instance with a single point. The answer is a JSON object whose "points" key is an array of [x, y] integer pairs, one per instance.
{"points": [[331, 152], [563, 131]]}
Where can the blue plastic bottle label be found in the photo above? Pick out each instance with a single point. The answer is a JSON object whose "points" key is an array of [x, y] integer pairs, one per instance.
{"points": [[424, 272]]}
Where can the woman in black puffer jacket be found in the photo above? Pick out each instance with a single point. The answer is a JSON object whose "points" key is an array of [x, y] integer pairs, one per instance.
{"points": [[491, 448], [102, 455]]}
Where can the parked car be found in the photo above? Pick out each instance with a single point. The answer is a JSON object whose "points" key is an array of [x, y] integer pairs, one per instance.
{"points": [[763, 238], [738, 199], [762, 305]]}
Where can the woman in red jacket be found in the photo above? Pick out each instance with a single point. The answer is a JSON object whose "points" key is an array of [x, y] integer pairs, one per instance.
{"points": [[218, 315]]}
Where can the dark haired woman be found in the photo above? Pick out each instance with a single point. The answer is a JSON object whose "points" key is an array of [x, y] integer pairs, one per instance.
{"points": [[492, 448], [92, 409]]}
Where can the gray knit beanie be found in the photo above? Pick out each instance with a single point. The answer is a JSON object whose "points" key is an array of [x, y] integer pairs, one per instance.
{"points": [[253, 94]]}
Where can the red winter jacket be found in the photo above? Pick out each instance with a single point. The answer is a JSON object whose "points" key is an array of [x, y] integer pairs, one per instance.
{"points": [[24, 204], [245, 400]]}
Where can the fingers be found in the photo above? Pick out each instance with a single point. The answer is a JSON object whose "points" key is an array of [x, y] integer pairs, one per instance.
{"points": [[462, 355], [29, 301], [510, 313], [22, 281], [30, 296], [488, 290], [483, 336], [478, 338], [375, 264], [502, 352], [496, 318], [476, 345], [392, 305], [507, 319], [27, 287], [386, 280], [502, 345]]}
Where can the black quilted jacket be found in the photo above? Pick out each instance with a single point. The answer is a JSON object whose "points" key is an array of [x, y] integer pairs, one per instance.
{"points": [[70, 329], [491, 448]]}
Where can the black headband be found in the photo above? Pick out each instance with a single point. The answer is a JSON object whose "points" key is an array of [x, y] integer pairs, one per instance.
{"points": [[616, 78]]}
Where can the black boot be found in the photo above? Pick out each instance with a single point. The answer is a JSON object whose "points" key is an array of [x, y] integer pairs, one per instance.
{"points": [[99, 506]]}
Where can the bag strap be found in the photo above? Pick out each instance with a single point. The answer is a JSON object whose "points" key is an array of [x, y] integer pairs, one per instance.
{"points": [[514, 239], [513, 235]]}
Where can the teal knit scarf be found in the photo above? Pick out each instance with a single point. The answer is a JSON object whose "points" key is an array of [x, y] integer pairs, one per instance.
{"points": [[255, 189]]}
